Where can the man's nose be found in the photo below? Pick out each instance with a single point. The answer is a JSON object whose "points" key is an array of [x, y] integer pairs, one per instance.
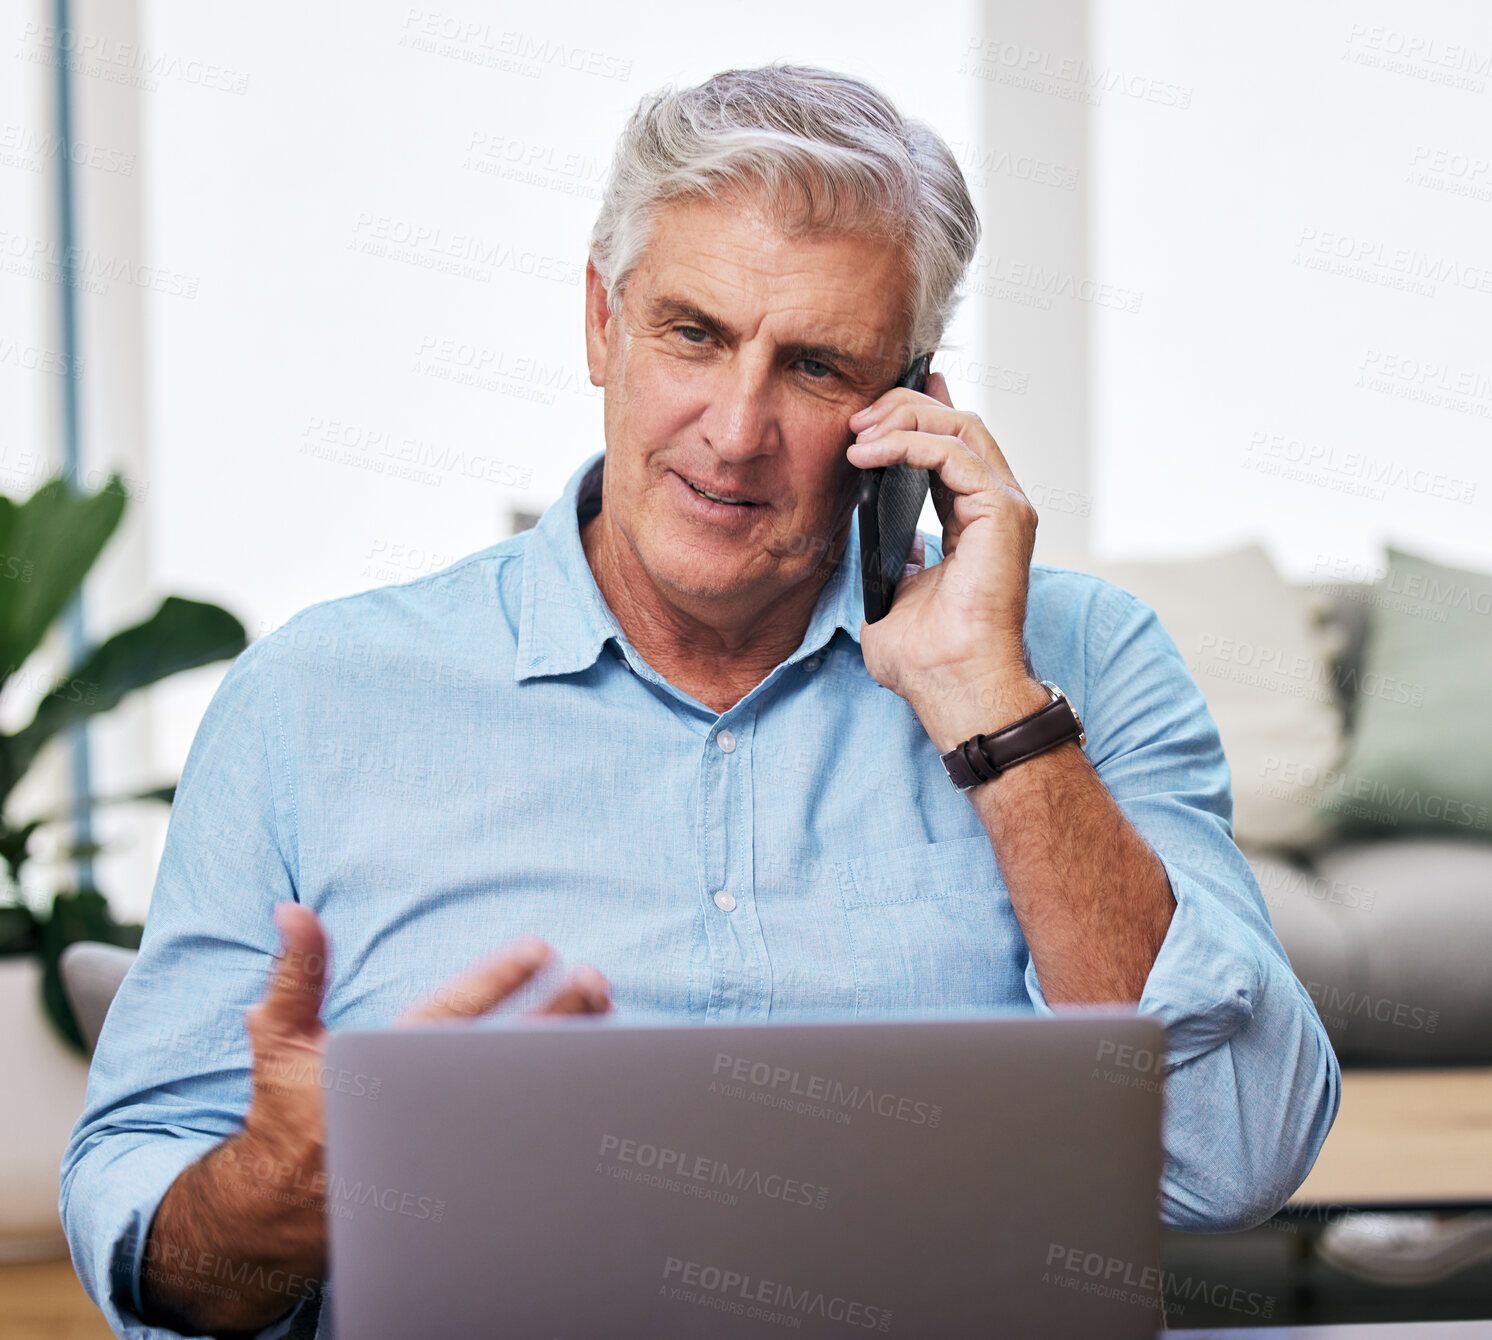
{"points": [[741, 419]]}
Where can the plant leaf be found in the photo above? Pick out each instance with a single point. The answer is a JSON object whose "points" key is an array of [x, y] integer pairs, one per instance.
{"points": [[13, 842], [165, 795], [47, 545], [19, 930], [180, 635], [75, 916]]}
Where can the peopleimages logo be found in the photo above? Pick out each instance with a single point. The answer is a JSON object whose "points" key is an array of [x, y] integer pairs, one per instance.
{"points": [[1379, 800], [1337, 1007], [778, 1082], [744, 1295], [1122, 1281], [669, 1165]]}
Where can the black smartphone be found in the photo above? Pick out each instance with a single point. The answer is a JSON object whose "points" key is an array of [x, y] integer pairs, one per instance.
{"points": [[890, 502]]}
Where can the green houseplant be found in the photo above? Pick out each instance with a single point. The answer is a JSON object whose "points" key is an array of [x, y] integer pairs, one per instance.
{"points": [[48, 544]]}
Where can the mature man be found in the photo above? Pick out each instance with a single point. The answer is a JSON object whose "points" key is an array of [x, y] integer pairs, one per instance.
{"points": [[656, 731]]}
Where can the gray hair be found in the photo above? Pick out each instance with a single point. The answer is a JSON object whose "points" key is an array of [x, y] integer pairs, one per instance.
{"points": [[822, 151]]}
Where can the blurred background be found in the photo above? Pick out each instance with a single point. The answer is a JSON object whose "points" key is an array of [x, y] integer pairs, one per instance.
{"points": [[308, 280]]}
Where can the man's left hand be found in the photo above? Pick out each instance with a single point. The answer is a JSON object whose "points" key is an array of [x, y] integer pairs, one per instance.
{"points": [[952, 642]]}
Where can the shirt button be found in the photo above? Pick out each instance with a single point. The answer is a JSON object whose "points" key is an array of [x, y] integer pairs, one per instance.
{"points": [[725, 902], [727, 743], [812, 663]]}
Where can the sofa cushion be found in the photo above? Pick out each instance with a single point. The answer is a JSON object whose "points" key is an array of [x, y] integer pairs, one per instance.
{"points": [[1305, 913], [1259, 652], [1414, 918], [1347, 616], [1422, 735]]}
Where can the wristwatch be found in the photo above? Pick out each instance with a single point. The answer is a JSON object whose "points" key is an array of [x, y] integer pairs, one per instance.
{"points": [[982, 758]]}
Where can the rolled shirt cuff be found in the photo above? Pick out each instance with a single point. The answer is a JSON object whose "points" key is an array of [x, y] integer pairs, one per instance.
{"points": [[117, 1188], [1204, 981]]}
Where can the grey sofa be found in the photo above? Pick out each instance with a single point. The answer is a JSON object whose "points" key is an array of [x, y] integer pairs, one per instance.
{"points": [[1391, 935]]}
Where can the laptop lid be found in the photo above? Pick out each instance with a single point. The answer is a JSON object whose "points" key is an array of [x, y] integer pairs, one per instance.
{"points": [[577, 1179]]}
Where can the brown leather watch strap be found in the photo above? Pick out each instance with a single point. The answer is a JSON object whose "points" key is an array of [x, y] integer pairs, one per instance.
{"points": [[982, 758]]}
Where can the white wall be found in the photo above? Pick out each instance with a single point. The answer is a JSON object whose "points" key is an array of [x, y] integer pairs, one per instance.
{"points": [[1312, 360], [33, 364], [1033, 279], [108, 373]]}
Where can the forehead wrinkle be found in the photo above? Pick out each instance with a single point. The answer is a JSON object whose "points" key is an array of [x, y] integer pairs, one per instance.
{"points": [[717, 256], [855, 341]]}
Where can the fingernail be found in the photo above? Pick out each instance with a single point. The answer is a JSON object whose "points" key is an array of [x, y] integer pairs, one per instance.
{"points": [[874, 430], [530, 950]]}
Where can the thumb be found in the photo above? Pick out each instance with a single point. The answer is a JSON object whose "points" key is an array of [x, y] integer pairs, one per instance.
{"points": [[292, 1001], [916, 559]]}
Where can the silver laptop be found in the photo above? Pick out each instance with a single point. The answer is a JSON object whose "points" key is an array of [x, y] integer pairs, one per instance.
{"points": [[601, 1179]]}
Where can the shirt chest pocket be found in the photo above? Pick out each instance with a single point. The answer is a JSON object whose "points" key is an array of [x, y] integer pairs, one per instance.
{"points": [[930, 927]]}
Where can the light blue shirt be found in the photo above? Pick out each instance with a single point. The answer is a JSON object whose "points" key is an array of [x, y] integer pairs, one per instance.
{"points": [[437, 767]]}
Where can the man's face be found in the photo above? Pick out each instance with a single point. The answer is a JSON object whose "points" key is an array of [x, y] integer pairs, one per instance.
{"points": [[736, 360]]}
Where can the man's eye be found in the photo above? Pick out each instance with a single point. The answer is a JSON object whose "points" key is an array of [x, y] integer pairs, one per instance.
{"points": [[816, 371], [690, 332]]}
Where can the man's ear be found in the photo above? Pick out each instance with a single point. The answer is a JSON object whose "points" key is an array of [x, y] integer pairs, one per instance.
{"points": [[597, 324]]}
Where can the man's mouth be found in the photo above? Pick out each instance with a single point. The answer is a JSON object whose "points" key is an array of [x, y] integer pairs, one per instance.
{"points": [[729, 499]]}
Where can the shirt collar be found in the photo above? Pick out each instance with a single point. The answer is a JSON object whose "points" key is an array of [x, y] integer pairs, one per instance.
{"points": [[564, 622]]}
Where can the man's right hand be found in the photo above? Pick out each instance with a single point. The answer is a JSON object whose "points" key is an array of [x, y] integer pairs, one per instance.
{"points": [[258, 1199]]}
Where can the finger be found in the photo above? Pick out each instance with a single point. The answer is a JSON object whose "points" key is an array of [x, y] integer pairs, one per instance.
{"points": [[959, 467], [484, 986], [935, 389], [942, 500], [587, 992], [918, 413], [916, 558], [292, 1001]]}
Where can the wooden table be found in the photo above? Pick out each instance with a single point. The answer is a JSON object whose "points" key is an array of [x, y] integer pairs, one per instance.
{"points": [[45, 1302], [1407, 1137]]}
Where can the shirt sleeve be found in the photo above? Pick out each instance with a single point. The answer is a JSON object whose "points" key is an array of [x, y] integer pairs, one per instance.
{"points": [[170, 1078], [1251, 1083]]}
